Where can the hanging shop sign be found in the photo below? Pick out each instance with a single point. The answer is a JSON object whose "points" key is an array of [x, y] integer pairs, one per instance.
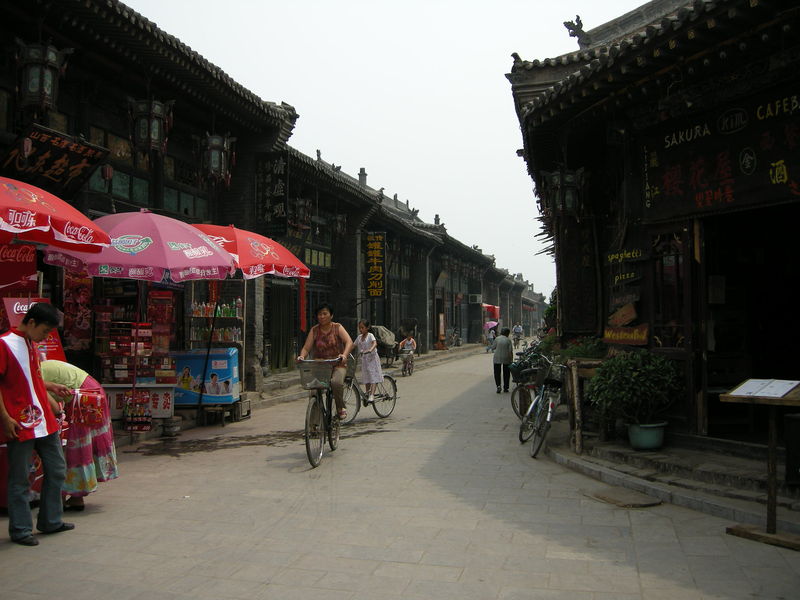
{"points": [[628, 336], [272, 192], [735, 157], [376, 264], [52, 160]]}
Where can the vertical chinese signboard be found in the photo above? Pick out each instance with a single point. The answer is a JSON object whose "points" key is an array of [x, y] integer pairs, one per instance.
{"points": [[272, 192], [56, 162], [376, 264]]}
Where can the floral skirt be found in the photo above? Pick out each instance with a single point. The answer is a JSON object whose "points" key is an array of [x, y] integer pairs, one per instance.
{"points": [[89, 452]]}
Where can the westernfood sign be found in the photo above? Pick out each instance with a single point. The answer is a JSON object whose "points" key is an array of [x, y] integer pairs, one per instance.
{"points": [[738, 156], [376, 264]]}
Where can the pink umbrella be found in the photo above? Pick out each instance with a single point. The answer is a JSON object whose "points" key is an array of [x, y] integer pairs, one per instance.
{"points": [[256, 254], [149, 247]]}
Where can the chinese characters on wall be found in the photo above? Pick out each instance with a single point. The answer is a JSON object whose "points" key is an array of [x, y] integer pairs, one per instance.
{"points": [[272, 192], [376, 264]]}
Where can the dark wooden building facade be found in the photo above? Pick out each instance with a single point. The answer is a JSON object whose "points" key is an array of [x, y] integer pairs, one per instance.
{"points": [[667, 167]]}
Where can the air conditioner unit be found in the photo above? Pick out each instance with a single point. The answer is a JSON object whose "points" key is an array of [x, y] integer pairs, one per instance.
{"points": [[475, 299]]}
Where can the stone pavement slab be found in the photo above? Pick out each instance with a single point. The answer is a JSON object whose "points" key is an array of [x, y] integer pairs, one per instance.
{"points": [[438, 501]]}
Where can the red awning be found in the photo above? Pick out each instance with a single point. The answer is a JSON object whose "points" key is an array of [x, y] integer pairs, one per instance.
{"points": [[492, 310]]}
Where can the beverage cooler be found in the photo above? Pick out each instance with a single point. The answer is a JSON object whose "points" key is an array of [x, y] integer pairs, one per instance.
{"points": [[221, 383]]}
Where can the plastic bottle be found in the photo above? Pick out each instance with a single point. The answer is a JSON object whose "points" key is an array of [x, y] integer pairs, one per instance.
{"points": [[239, 305]]}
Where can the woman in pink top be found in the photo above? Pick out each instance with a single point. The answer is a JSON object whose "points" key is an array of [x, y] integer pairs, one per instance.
{"points": [[328, 340]]}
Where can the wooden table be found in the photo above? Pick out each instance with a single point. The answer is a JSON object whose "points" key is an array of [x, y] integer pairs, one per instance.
{"points": [[792, 398]]}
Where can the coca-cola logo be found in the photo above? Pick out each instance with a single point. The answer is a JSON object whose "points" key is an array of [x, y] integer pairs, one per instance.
{"points": [[21, 308], [82, 233], [17, 254], [22, 218]]}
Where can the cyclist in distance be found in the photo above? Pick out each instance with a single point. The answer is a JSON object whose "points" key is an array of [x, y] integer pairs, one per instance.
{"points": [[518, 331], [328, 340]]}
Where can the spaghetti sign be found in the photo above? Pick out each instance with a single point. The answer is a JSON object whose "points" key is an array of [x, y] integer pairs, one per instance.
{"points": [[376, 264]]}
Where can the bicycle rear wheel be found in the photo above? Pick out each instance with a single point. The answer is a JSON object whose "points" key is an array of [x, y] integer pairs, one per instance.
{"points": [[315, 429], [333, 425], [520, 400], [385, 397], [541, 424], [352, 401]]}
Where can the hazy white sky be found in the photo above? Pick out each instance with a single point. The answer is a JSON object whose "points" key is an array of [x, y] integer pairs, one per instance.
{"points": [[414, 91]]}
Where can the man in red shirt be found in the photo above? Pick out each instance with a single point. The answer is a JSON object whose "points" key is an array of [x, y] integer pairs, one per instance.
{"points": [[29, 422]]}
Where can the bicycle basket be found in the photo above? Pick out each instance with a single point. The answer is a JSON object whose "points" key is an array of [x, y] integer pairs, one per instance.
{"points": [[556, 373], [315, 375], [352, 362]]}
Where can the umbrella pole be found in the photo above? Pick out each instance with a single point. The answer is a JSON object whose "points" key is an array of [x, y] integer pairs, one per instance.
{"points": [[135, 352], [201, 411]]}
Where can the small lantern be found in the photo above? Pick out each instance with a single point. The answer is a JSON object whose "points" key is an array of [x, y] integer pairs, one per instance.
{"points": [[562, 191], [219, 157], [42, 65], [152, 121]]}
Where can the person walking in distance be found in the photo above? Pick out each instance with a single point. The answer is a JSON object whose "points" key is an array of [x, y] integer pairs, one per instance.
{"points": [[29, 423], [502, 359], [490, 337]]}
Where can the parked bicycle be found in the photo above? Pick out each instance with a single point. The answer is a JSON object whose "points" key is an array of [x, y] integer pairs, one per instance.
{"points": [[525, 372], [536, 420], [384, 394], [321, 418], [407, 357]]}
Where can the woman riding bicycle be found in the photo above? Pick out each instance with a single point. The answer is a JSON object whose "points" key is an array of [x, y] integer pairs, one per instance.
{"points": [[330, 340], [407, 348]]}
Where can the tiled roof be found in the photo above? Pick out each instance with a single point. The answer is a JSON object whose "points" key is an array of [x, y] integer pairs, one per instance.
{"points": [[111, 27], [656, 45]]}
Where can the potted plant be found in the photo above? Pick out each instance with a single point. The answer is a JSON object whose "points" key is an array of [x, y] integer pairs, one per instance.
{"points": [[636, 387]]}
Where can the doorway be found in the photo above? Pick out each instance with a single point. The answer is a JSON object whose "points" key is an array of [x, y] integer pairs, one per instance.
{"points": [[752, 330]]}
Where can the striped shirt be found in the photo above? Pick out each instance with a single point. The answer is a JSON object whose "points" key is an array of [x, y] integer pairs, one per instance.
{"points": [[24, 392]]}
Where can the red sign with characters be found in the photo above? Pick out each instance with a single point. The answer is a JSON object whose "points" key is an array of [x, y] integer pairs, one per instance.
{"points": [[50, 348], [18, 267]]}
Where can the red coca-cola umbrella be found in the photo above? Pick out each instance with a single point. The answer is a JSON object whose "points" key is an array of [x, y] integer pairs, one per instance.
{"points": [[31, 214], [256, 254]]}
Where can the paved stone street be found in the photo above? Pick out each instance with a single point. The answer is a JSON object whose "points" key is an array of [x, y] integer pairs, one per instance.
{"points": [[437, 501]]}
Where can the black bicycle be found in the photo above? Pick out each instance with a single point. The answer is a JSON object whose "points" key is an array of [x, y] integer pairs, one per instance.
{"points": [[384, 395], [321, 418], [536, 420]]}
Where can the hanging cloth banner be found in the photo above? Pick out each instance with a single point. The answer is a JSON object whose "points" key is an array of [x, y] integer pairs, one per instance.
{"points": [[302, 306]]}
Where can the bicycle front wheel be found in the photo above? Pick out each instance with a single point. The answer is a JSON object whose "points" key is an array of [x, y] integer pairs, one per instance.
{"points": [[526, 426], [385, 397], [541, 424], [520, 400], [333, 425], [352, 401], [315, 430]]}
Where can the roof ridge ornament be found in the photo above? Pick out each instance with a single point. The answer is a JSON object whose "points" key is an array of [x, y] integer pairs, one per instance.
{"points": [[575, 29]]}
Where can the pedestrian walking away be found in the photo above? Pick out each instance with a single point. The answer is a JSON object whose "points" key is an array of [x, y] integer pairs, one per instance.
{"points": [[29, 420], [89, 451], [370, 361], [502, 359], [328, 340]]}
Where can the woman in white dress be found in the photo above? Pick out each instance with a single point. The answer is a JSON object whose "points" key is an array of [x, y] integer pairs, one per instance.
{"points": [[370, 361]]}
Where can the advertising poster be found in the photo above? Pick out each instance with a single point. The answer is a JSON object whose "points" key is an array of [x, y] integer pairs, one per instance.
{"points": [[50, 348], [77, 312], [221, 384]]}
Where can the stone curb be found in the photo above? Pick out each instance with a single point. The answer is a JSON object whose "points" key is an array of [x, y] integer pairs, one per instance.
{"points": [[736, 511]]}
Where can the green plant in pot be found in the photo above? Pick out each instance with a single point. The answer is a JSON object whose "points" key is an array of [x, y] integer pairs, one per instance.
{"points": [[636, 387]]}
